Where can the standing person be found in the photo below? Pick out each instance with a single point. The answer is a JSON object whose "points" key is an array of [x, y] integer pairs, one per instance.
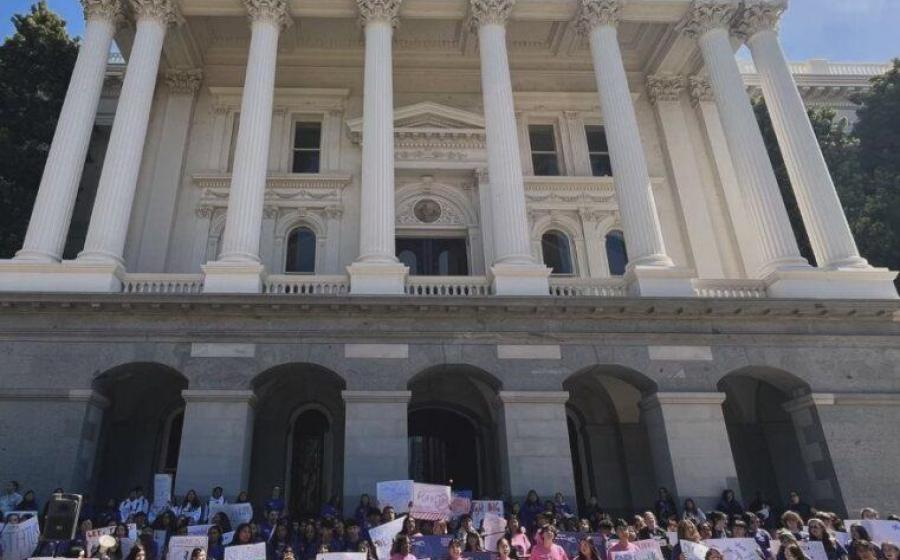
{"points": [[890, 551], [868, 514], [588, 550], [242, 535], [593, 508], [729, 505], [664, 506], [652, 531], [454, 550], [198, 554], [761, 536], [216, 498], [692, 513], [28, 503], [719, 524], [818, 532], [517, 538], [560, 507], [546, 549], [363, 509], [190, 507], [275, 501], [127, 507], [530, 510], [798, 505], [10, 499]]}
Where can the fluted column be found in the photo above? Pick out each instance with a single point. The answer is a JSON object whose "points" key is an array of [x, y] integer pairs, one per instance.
{"points": [[240, 241], [52, 212], [514, 269], [826, 224], [105, 240], [598, 19], [709, 22]]}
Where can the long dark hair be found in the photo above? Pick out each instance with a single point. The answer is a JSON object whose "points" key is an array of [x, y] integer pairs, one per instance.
{"points": [[237, 534], [595, 555]]}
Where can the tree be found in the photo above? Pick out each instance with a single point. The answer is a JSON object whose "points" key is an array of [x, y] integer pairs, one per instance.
{"points": [[35, 66]]}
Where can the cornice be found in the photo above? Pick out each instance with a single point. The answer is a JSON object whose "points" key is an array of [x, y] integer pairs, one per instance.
{"points": [[594, 13], [758, 15], [53, 394], [487, 12], [705, 15], [379, 10], [665, 88]]}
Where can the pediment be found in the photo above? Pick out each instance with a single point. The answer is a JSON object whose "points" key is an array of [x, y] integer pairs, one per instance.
{"points": [[428, 117]]}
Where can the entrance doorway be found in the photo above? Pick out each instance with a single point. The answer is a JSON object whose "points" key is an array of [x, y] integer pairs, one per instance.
{"points": [[443, 448], [311, 430], [434, 256]]}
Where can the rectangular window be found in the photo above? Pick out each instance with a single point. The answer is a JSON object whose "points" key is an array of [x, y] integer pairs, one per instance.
{"points": [[543, 149], [307, 147], [601, 166]]}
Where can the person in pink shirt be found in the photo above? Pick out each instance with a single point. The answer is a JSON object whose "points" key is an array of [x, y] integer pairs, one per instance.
{"points": [[624, 544], [546, 549], [517, 538], [402, 549]]}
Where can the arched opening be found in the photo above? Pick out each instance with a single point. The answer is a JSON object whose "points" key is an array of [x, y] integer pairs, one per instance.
{"points": [[609, 439], [452, 429], [616, 253], [776, 439], [298, 436], [141, 429], [557, 251], [301, 252]]}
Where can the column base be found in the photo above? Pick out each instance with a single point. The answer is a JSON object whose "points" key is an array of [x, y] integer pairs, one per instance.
{"points": [[656, 281], [381, 278], [521, 280], [816, 283], [67, 276], [224, 277]]}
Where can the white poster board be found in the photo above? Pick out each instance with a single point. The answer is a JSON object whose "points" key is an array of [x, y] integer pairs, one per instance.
{"points": [[227, 538], [430, 501], [814, 550], [383, 537], [648, 550], [736, 549], [195, 530], [237, 513], [694, 551], [882, 531], [842, 538], [162, 489], [482, 507], [397, 494], [673, 537], [180, 548], [493, 529], [246, 552], [341, 556], [20, 540]]}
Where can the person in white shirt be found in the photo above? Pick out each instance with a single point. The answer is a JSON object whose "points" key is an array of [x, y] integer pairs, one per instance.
{"points": [[136, 502], [10, 500], [217, 498]]}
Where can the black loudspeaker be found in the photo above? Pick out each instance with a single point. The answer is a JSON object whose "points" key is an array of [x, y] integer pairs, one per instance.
{"points": [[62, 517]]}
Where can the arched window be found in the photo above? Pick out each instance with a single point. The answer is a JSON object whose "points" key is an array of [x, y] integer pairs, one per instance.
{"points": [[557, 252], [301, 252], [616, 253]]}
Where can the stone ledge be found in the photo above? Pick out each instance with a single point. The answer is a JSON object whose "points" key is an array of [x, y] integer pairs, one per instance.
{"points": [[66, 395], [218, 396], [534, 397], [377, 397], [856, 399], [689, 398]]}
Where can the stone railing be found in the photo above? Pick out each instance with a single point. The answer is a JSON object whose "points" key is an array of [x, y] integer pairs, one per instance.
{"points": [[162, 284], [730, 289], [303, 285], [448, 286], [597, 287]]}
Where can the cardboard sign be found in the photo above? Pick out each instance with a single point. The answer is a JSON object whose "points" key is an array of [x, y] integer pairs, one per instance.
{"points": [[395, 493], [478, 556], [482, 507], [736, 549], [493, 529], [162, 489], [430, 501], [180, 548], [237, 513], [814, 550], [20, 540], [246, 552], [382, 537], [694, 551], [882, 531]]}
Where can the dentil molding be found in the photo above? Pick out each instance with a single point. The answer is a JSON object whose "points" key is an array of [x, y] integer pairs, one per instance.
{"points": [[593, 13], [705, 15], [379, 10]]}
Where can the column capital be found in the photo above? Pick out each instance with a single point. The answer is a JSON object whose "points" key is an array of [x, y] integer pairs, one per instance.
{"points": [[758, 15], [164, 11], [700, 90], [268, 10], [110, 10], [593, 13], [706, 15], [485, 12], [185, 82], [665, 87], [379, 10]]}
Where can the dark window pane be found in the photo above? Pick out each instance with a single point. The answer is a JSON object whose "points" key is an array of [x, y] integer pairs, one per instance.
{"points": [[308, 135], [434, 257], [301, 252], [542, 139], [557, 253], [616, 253], [596, 139], [306, 162], [601, 166], [545, 164]]}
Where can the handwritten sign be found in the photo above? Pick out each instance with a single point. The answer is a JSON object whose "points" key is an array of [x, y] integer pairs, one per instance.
{"points": [[382, 537], [246, 552], [673, 537], [493, 529], [882, 531], [162, 489], [397, 494], [694, 551], [461, 503], [735, 549], [814, 550], [648, 550], [19, 541], [482, 507], [180, 548], [237, 513], [430, 547], [194, 530], [430, 501], [842, 538], [227, 538]]}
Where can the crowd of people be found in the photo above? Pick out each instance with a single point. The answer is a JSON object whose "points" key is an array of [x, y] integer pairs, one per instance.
{"points": [[532, 528]]}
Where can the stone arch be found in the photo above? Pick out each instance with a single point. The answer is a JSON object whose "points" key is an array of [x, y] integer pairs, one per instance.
{"points": [[135, 433], [777, 439], [308, 465], [458, 209], [570, 227], [609, 438], [295, 219]]}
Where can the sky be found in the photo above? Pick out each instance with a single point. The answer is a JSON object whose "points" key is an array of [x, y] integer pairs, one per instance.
{"points": [[839, 30]]}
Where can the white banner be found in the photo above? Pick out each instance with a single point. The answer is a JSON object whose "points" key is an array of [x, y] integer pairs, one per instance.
{"points": [[237, 513], [162, 489], [482, 507], [494, 528], [882, 531], [383, 537], [246, 552], [736, 549], [180, 548], [430, 501], [20, 540], [395, 493], [694, 551]]}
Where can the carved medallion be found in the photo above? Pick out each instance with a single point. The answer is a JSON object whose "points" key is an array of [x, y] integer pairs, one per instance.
{"points": [[427, 211]]}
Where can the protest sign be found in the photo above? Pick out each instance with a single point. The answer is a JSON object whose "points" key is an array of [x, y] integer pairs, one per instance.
{"points": [[180, 548], [623, 555], [460, 503], [162, 489], [648, 550], [92, 538], [478, 556], [19, 540], [159, 537], [493, 530], [237, 513], [814, 550], [227, 538], [694, 551], [246, 552], [394, 493], [430, 547], [341, 556], [842, 538], [673, 537], [382, 537], [735, 549], [882, 531], [430, 501], [198, 529], [482, 507], [125, 546]]}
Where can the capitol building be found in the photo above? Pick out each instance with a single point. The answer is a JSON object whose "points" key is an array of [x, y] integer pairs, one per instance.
{"points": [[515, 244]]}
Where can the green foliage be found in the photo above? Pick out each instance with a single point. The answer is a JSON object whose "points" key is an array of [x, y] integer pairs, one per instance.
{"points": [[35, 65]]}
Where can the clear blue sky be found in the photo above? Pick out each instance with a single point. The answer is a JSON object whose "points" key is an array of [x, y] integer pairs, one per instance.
{"points": [[841, 30]]}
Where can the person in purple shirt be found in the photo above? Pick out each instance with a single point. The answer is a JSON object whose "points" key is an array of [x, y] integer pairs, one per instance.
{"points": [[276, 502], [530, 509]]}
